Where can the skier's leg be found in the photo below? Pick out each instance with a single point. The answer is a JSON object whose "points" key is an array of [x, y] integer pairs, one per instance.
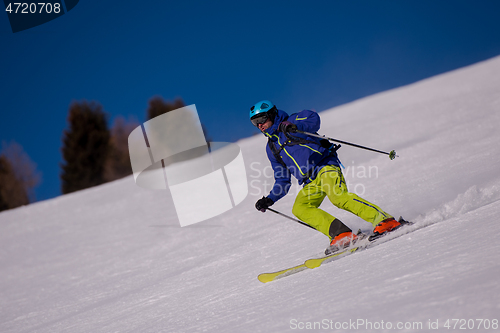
{"points": [[306, 208], [334, 185]]}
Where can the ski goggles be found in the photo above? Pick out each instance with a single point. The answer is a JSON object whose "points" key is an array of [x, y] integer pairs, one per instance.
{"points": [[258, 119]]}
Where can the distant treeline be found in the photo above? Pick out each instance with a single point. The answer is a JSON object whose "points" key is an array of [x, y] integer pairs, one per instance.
{"points": [[92, 153]]}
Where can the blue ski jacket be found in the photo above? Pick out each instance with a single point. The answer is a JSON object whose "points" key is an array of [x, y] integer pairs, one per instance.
{"points": [[303, 156]]}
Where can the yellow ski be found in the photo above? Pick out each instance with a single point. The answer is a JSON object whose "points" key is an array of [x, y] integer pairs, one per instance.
{"points": [[313, 263], [362, 244], [268, 277]]}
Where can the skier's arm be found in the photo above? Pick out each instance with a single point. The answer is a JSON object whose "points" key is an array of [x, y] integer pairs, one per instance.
{"points": [[282, 179]]}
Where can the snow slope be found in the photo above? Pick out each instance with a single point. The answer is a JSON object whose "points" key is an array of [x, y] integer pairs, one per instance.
{"points": [[113, 258]]}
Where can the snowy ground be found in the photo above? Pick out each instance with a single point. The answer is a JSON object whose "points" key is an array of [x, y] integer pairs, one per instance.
{"points": [[114, 259]]}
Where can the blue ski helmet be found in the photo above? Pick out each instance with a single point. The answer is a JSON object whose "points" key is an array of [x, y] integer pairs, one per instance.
{"points": [[262, 108]]}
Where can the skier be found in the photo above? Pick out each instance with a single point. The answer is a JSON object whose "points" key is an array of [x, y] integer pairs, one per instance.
{"points": [[315, 164]]}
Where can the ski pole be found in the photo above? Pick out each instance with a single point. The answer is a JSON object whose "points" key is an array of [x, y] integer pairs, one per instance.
{"points": [[290, 218], [392, 153]]}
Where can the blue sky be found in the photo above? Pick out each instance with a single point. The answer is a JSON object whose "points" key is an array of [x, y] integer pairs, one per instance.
{"points": [[224, 56]]}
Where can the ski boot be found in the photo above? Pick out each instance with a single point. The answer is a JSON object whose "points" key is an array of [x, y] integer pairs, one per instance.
{"points": [[386, 226], [342, 241]]}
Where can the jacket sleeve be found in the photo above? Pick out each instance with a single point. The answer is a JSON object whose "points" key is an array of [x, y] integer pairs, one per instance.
{"points": [[306, 120], [282, 178]]}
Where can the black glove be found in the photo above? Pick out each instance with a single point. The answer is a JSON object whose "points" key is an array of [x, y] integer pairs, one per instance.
{"points": [[286, 126], [328, 145], [263, 204], [325, 143]]}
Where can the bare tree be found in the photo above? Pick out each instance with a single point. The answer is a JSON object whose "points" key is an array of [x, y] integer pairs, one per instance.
{"points": [[18, 177]]}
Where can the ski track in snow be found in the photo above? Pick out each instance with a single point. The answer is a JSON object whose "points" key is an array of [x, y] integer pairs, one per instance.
{"points": [[114, 259]]}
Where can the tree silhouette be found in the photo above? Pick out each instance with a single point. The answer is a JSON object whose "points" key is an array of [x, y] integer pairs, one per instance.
{"points": [[18, 177], [118, 162], [85, 147], [157, 106], [12, 192], [25, 170]]}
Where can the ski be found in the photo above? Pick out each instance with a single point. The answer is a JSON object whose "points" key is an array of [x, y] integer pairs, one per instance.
{"points": [[268, 277], [370, 242], [310, 263], [316, 262], [313, 263]]}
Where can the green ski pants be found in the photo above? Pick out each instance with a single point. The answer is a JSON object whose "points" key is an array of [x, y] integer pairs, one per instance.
{"points": [[330, 182]]}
